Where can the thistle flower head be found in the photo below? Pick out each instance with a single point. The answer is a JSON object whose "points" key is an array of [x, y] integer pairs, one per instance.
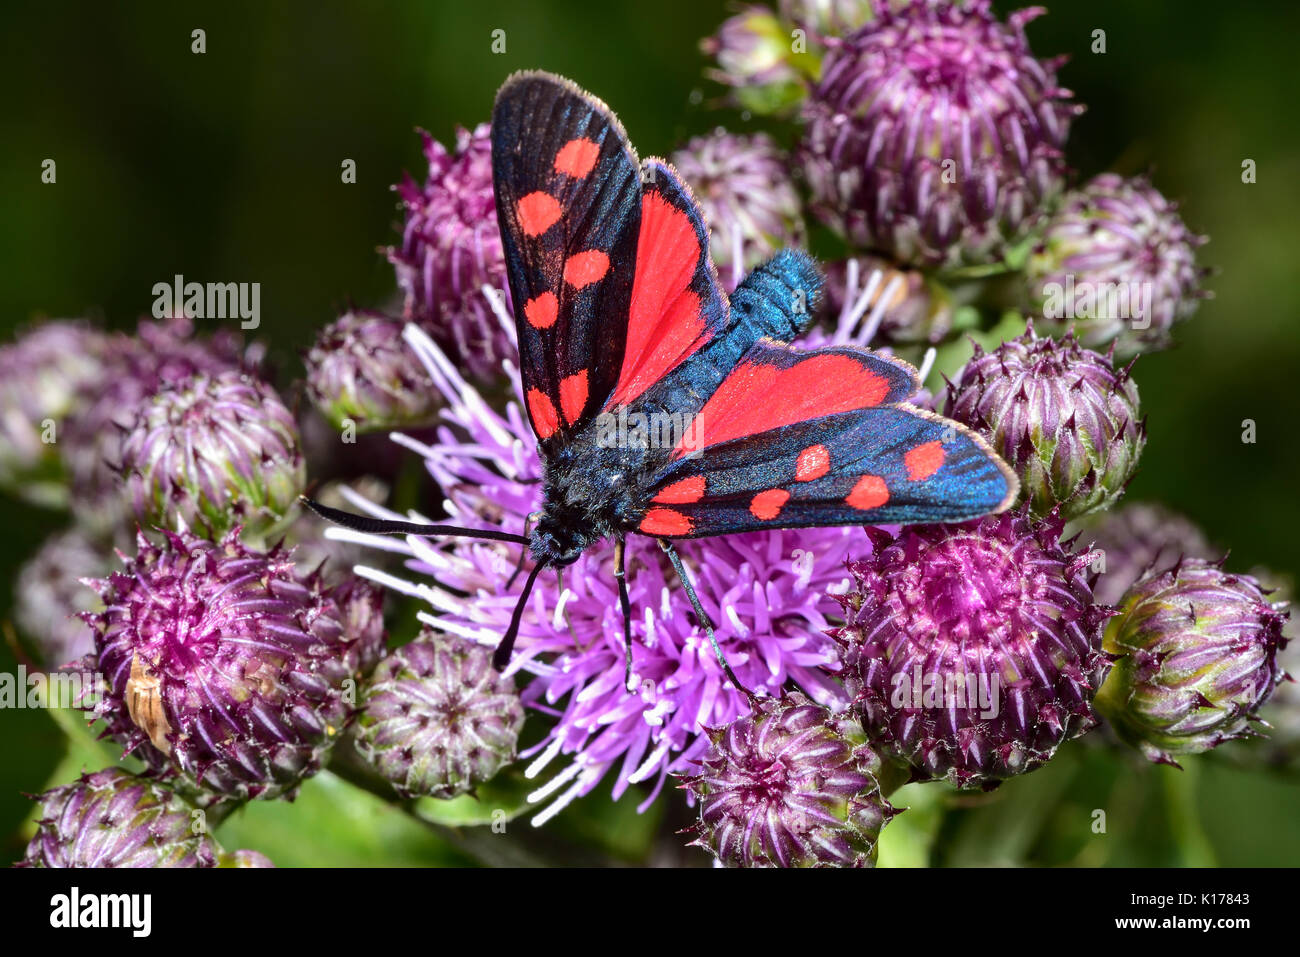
{"points": [[223, 664], [451, 248], [1060, 415], [1116, 235], [825, 18], [213, 452], [747, 197], [49, 596], [159, 355], [360, 372], [973, 650], [767, 592], [437, 718], [790, 785], [1140, 538], [42, 376], [1196, 655], [755, 58], [934, 134], [112, 818]]}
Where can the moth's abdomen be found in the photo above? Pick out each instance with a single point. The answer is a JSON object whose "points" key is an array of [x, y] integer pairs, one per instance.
{"points": [[776, 300]]}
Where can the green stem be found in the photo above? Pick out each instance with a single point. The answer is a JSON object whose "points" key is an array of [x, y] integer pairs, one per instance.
{"points": [[1194, 846]]}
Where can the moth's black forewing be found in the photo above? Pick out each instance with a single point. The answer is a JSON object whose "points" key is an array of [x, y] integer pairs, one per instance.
{"points": [[577, 356]]}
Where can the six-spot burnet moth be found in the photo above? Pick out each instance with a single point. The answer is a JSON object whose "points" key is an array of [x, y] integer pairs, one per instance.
{"points": [[620, 314]]}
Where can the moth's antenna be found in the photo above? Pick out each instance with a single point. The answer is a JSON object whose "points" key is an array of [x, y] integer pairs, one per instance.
{"points": [[380, 526], [502, 655]]}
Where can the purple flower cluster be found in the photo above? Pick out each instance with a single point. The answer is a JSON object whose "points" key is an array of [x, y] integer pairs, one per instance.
{"points": [[769, 594], [931, 139]]}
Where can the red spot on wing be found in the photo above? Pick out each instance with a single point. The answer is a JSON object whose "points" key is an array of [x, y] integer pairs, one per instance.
{"points": [[542, 411], [758, 396], [541, 311], [537, 212], [869, 492], [665, 324], [573, 396], [582, 269], [665, 521], [924, 460], [577, 157], [813, 463], [767, 505], [682, 492]]}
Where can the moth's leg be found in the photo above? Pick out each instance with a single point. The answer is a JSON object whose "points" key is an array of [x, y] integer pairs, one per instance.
{"points": [[620, 574], [523, 556], [703, 618]]}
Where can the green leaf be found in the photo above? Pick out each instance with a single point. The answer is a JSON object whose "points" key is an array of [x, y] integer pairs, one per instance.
{"points": [[907, 839], [502, 799], [334, 824]]}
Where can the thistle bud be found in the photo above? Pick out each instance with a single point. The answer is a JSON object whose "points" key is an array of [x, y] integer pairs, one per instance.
{"points": [[790, 785], [115, 819], [361, 372], [436, 718], [757, 59], [211, 453], [973, 650], [1196, 651], [1133, 540], [934, 134], [1116, 264], [1060, 415], [42, 376], [49, 596], [222, 664], [160, 355]]}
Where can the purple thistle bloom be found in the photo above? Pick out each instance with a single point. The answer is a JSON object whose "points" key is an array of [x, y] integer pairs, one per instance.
{"points": [[49, 596], [115, 819], [974, 650], [1123, 235], [744, 189], [223, 664], [1196, 651], [211, 453], [934, 134], [768, 593], [790, 785], [451, 247]]}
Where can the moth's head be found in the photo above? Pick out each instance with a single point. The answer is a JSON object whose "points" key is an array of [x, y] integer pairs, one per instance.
{"points": [[557, 540]]}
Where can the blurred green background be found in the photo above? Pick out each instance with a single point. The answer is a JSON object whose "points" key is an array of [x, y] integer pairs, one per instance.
{"points": [[226, 166]]}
